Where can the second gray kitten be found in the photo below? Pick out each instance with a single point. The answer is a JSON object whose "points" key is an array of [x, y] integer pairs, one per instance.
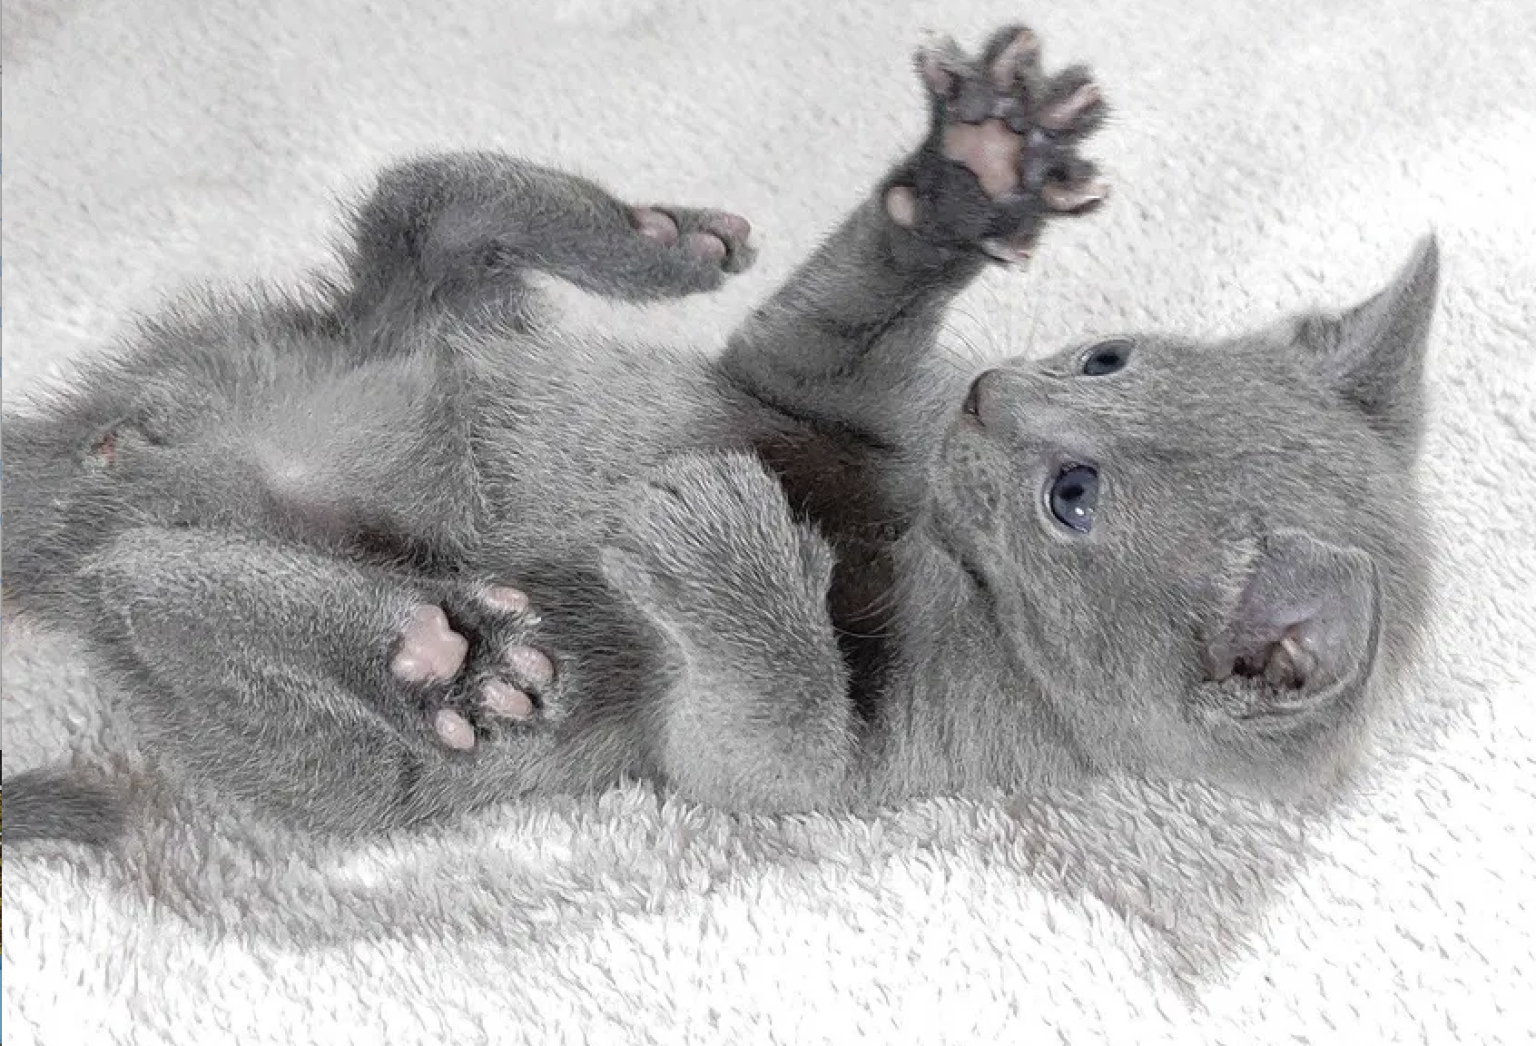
{"points": [[404, 549]]}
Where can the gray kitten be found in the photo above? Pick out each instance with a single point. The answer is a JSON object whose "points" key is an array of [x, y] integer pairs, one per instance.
{"points": [[400, 549]]}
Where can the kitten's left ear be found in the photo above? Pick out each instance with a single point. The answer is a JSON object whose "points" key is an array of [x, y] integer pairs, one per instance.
{"points": [[1305, 630], [1373, 354]]}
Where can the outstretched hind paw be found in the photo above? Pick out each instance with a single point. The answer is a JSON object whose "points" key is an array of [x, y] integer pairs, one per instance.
{"points": [[476, 665], [715, 237]]}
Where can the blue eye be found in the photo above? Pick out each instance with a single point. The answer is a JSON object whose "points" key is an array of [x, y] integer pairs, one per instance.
{"points": [[1074, 496], [1106, 357]]}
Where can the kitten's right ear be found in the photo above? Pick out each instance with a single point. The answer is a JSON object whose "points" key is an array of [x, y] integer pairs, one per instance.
{"points": [[1373, 353], [1303, 634]]}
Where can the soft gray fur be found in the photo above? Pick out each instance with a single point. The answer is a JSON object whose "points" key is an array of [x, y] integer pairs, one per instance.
{"points": [[818, 570]]}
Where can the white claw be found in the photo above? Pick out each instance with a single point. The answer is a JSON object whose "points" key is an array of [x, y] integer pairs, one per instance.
{"points": [[1003, 251], [1059, 196]]}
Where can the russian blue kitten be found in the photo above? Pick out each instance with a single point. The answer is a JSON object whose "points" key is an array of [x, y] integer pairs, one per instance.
{"points": [[401, 548]]}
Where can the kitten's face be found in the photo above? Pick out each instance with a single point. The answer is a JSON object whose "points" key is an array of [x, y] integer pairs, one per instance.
{"points": [[1205, 555]]}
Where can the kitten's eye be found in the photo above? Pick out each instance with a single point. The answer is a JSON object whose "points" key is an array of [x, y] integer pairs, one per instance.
{"points": [[1074, 496], [1106, 357]]}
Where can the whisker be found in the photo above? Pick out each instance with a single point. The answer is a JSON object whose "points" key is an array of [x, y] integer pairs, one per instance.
{"points": [[1034, 329]]}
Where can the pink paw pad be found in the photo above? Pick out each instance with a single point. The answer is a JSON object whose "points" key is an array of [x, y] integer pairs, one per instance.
{"points": [[507, 600], [706, 245], [532, 667], [453, 730], [656, 225], [990, 150], [506, 700], [729, 227], [429, 647]]}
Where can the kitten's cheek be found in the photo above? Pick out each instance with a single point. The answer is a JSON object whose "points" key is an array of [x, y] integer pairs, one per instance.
{"points": [[985, 504], [964, 485], [979, 505]]}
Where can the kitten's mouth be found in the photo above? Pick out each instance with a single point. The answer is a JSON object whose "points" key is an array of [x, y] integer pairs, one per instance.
{"points": [[970, 407], [973, 572], [978, 403]]}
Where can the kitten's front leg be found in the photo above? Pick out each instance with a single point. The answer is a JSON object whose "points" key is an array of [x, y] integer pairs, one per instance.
{"points": [[756, 715], [856, 324]]}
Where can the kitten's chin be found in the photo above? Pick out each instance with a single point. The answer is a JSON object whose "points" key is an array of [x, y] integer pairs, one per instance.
{"points": [[943, 548]]}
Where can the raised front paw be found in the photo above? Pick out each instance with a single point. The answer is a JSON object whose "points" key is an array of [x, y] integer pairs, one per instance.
{"points": [[709, 549], [475, 664], [1001, 155]]}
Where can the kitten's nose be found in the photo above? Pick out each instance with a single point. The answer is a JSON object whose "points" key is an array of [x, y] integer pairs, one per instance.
{"points": [[971, 405]]}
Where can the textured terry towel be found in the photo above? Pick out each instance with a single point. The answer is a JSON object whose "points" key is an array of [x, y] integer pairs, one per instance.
{"points": [[1265, 157]]}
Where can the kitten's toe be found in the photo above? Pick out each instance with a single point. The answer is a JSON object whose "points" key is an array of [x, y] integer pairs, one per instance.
{"points": [[733, 229], [519, 687], [654, 224], [1012, 58], [942, 64], [706, 246], [1072, 105], [453, 730], [502, 699], [530, 667], [732, 232], [504, 599]]}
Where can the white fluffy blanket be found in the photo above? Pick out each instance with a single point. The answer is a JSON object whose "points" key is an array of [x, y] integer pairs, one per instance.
{"points": [[1266, 156]]}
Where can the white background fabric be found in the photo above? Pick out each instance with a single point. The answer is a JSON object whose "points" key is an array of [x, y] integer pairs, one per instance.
{"points": [[1265, 157]]}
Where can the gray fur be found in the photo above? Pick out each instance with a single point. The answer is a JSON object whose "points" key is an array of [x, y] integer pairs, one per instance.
{"points": [[40, 804], [796, 575]]}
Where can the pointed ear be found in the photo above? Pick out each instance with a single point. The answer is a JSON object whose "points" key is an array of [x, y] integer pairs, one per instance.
{"points": [[1304, 632], [1373, 354]]}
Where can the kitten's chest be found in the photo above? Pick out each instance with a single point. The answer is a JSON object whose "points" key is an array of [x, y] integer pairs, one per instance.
{"points": [[853, 494]]}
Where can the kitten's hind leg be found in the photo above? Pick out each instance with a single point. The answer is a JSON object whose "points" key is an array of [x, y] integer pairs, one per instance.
{"points": [[343, 697], [459, 232], [758, 716]]}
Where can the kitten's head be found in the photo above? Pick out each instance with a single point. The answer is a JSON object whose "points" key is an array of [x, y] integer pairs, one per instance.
{"points": [[1211, 557]]}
